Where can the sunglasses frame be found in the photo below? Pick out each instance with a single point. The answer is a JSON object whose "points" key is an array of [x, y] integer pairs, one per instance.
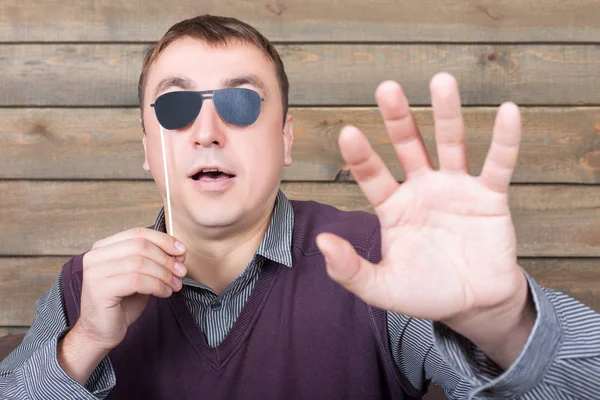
{"points": [[209, 94]]}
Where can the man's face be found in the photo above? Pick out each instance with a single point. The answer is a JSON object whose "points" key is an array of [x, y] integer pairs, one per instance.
{"points": [[252, 157]]}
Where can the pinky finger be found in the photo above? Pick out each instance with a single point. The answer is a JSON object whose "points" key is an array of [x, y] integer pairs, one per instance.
{"points": [[502, 157], [125, 285]]}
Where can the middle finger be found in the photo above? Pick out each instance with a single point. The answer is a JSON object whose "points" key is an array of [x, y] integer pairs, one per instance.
{"points": [[449, 124]]}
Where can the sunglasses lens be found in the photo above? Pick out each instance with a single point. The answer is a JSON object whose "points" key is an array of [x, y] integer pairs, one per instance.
{"points": [[176, 110], [237, 106]]}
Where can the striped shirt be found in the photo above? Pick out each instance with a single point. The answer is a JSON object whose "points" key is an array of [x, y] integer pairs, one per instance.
{"points": [[561, 359]]}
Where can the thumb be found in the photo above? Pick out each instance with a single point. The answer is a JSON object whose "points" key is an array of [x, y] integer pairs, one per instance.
{"points": [[347, 268]]}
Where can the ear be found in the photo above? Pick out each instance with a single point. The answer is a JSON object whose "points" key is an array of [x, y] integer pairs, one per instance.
{"points": [[146, 166], [288, 138]]}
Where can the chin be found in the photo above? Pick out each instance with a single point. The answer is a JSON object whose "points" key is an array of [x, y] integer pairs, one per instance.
{"points": [[215, 216]]}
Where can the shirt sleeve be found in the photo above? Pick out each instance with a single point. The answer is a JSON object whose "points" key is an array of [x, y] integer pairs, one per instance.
{"points": [[561, 359], [32, 370]]}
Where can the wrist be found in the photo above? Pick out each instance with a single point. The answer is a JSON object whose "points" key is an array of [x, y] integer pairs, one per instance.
{"points": [[501, 332], [78, 356]]}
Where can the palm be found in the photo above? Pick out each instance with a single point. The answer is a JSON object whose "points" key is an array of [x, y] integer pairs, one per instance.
{"points": [[448, 242], [440, 246]]}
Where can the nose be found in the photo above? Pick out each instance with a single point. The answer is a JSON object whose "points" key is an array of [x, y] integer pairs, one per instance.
{"points": [[208, 129]]}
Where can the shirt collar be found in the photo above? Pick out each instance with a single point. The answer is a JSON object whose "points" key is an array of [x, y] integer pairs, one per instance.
{"points": [[276, 245]]}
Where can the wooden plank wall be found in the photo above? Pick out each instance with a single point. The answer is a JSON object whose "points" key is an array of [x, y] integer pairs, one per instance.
{"points": [[71, 154]]}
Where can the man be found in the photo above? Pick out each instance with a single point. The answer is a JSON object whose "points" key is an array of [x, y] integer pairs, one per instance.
{"points": [[238, 304]]}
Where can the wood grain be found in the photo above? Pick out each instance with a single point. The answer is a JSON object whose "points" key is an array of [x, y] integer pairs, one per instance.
{"points": [[345, 74], [87, 57], [24, 279], [309, 20], [559, 145], [65, 218], [8, 343], [13, 330]]}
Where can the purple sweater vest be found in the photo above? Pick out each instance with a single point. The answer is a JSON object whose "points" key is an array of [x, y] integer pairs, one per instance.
{"points": [[300, 335]]}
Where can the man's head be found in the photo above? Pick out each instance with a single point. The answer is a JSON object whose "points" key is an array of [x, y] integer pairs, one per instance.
{"points": [[216, 31], [211, 53]]}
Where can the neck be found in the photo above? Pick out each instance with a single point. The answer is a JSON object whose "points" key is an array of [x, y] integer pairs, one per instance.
{"points": [[217, 260]]}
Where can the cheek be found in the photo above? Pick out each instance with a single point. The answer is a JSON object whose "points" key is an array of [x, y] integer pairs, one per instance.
{"points": [[154, 154], [154, 157], [261, 154]]}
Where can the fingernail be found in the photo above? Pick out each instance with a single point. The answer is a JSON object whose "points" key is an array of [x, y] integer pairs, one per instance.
{"points": [[169, 290], [177, 282], [325, 254], [325, 257], [180, 246], [179, 268]]}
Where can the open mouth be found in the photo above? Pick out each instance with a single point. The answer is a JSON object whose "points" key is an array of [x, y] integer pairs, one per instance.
{"points": [[211, 175]]}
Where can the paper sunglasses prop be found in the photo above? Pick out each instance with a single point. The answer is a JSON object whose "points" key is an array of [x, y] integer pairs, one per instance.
{"points": [[236, 106]]}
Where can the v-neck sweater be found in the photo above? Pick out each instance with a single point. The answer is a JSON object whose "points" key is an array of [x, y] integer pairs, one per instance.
{"points": [[300, 335]]}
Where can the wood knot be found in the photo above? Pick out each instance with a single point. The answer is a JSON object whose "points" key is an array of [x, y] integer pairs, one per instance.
{"points": [[343, 175], [500, 59], [490, 58], [41, 130], [489, 13], [592, 160], [276, 8]]}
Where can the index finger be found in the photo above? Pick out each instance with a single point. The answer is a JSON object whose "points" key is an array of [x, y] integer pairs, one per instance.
{"points": [[165, 242], [369, 170], [503, 154]]}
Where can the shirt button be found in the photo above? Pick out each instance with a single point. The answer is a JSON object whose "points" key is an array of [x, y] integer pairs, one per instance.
{"points": [[216, 305]]}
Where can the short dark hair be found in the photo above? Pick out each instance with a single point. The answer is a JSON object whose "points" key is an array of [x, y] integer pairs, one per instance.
{"points": [[217, 31]]}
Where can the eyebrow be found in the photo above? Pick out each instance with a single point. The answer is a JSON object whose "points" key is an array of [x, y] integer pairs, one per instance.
{"points": [[174, 81], [188, 84], [247, 79]]}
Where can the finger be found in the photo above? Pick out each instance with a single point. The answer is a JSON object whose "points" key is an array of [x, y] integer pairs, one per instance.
{"points": [[144, 266], [502, 156], [402, 128], [166, 242], [125, 285], [181, 258], [348, 269], [137, 246], [449, 124], [135, 265], [373, 177]]}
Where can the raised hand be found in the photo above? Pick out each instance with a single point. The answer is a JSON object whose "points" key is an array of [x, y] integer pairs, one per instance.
{"points": [[448, 241]]}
